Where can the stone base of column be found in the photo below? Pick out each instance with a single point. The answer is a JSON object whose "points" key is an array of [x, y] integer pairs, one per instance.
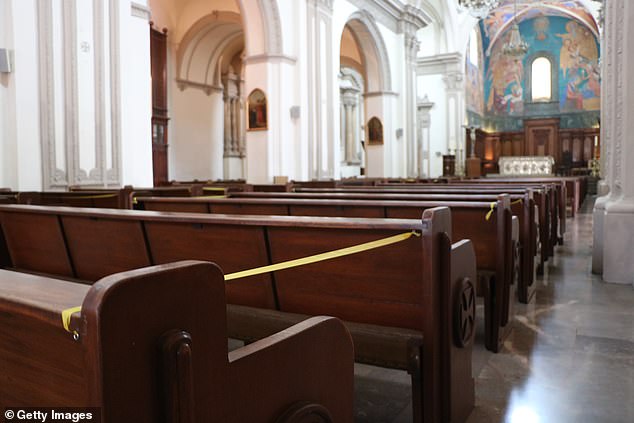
{"points": [[618, 240], [350, 170], [233, 168], [598, 215]]}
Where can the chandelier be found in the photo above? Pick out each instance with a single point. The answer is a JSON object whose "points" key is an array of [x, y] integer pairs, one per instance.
{"points": [[515, 47], [478, 8]]}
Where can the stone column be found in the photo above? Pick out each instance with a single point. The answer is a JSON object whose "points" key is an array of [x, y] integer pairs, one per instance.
{"points": [[614, 214], [350, 102], [424, 107], [410, 22], [454, 82]]}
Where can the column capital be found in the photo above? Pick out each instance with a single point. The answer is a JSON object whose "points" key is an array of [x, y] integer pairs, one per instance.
{"points": [[454, 81]]}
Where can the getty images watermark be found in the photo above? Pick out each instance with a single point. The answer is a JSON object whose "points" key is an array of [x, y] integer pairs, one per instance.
{"points": [[51, 414]]}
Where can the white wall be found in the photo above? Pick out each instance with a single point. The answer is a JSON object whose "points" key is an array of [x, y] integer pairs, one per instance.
{"points": [[196, 137], [434, 87], [20, 151], [7, 172], [136, 104]]}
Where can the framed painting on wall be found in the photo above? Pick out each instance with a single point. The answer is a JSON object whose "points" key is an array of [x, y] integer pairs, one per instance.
{"points": [[257, 111], [375, 131]]}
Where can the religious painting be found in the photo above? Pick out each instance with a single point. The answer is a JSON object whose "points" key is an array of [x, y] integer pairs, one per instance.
{"points": [[505, 77], [474, 75], [580, 72], [375, 131], [257, 111], [571, 45]]}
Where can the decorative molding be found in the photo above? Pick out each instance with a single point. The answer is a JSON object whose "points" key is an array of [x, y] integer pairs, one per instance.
{"points": [[440, 64], [620, 89], [71, 129], [208, 89], [270, 58], [394, 14], [381, 93], [98, 172], [271, 20], [51, 175], [113, 175], [140, 11], [454, 81]]}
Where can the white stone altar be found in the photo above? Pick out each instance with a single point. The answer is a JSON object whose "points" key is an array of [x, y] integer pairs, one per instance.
{"points": [[526, 165]]}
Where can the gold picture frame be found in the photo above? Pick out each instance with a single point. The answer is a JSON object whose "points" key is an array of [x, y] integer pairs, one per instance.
{"points": [[257, 111]]}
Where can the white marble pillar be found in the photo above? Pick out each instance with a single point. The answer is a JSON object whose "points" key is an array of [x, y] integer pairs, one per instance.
{"points": [[411, 51], [424, 107], [614, 213], [454, 82], [350, 102], [322, 139]]}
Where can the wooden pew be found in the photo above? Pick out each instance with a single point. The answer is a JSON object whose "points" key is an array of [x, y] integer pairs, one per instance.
{"points": [[408, 306], [151, 345], [523, 205], [543, 195], [491, 238]]}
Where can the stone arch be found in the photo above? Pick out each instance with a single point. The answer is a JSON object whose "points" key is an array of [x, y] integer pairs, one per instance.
{"points": [[262, 24], [271, 16], [376, 58], [201, 49]]}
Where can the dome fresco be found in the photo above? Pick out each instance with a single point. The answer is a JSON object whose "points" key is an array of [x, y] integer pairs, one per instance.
{"points": [[500, 19]]}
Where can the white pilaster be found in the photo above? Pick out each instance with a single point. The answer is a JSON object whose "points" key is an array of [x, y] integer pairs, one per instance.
{"points": [[617, 227], [321, 133], [423, 137], [455, 116]]}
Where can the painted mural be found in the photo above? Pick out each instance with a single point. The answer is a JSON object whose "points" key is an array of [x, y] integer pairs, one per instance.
{"points": [[571, 45], [475, 76]]}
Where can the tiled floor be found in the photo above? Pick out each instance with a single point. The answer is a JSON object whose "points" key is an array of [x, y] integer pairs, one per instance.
{"points": [[570, 357]]}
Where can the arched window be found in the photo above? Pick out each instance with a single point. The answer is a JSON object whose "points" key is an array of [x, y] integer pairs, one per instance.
{"points": [[541, 79], [474, 54]]}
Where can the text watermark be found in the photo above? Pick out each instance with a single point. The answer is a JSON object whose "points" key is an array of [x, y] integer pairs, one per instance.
{"points": [[51, 414]]}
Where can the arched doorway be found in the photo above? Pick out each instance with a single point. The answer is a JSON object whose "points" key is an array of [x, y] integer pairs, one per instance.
{"points": [[364, 80]]}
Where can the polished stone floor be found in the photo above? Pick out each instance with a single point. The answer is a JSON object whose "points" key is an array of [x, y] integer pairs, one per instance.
{"points": [[570, 357]]}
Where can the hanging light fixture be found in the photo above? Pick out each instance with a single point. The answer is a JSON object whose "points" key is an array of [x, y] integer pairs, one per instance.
{"points": [[516, 47], [478, 8]]}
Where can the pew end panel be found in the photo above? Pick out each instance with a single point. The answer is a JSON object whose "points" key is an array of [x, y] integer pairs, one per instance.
{"points": [[328, 381], [131, 351]]}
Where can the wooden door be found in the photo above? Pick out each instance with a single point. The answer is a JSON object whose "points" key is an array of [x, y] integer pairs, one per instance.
{"points": [[160, 119], [542, 138]]}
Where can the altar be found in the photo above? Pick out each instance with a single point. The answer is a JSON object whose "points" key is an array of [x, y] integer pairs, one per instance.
{"points": [[526, 166]]}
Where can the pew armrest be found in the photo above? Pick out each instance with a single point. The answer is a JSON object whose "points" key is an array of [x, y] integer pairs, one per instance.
{"points": [[312, 361]]}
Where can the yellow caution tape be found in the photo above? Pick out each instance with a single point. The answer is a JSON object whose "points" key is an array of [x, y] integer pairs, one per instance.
{"points": [[323, 256], [89, 197], [66, 314], [213, 189], [210, 196], [491, 211], [520, 201]]}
